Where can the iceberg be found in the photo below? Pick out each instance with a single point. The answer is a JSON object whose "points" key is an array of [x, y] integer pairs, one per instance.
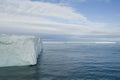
{"points": [[18, 50]]}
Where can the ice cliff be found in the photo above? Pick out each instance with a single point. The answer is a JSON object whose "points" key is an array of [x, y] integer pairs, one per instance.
{"points": [[19, 50]]}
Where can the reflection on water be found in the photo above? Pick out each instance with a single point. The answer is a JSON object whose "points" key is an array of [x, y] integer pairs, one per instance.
{"points": [[70, 62], [18, 73], [21, 72]]}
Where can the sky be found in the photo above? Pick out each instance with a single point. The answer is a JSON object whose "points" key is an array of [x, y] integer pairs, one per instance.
{"points": [[62, 20]]}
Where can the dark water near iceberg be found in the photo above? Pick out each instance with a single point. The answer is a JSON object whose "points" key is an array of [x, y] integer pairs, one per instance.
{"points": [[70, 62]]}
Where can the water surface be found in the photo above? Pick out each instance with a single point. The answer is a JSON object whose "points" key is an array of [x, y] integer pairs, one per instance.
{"points": [[71, 61]]}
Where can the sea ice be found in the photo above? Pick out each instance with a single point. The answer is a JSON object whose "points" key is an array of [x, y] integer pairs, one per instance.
{"points": [[19, 50]]}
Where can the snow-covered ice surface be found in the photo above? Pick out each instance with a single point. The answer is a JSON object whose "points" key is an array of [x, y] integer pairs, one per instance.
{"points": [[19, 50]]}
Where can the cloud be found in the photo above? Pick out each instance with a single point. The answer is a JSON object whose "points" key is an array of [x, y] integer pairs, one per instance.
{"points": [[27, 16], [31, 17], [61, 1], [104, 1], [39, 9], [118, 15], [72, 1], [81, 1], [28, 24], [40, 25]]}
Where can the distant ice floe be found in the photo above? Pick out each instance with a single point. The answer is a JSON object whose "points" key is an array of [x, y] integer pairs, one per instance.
{"points": [[105, 42]]}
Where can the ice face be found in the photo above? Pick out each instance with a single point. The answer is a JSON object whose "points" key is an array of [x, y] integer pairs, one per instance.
{"points": [[19, 50]]}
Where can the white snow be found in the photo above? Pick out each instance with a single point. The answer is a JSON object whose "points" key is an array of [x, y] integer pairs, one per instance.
{"points": [[19, 50]]}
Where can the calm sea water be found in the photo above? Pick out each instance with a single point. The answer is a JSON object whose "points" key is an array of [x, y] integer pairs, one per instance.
{"points": [[70, 62]]}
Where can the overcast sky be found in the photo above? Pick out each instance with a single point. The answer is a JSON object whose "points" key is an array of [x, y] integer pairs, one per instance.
{"points": [[62, 19]]}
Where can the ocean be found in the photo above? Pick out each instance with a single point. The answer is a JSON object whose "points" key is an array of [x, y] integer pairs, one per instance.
{"points": [[70, 61]]}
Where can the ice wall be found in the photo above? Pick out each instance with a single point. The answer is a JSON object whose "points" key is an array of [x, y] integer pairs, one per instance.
{"points": [[19, 50]]}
